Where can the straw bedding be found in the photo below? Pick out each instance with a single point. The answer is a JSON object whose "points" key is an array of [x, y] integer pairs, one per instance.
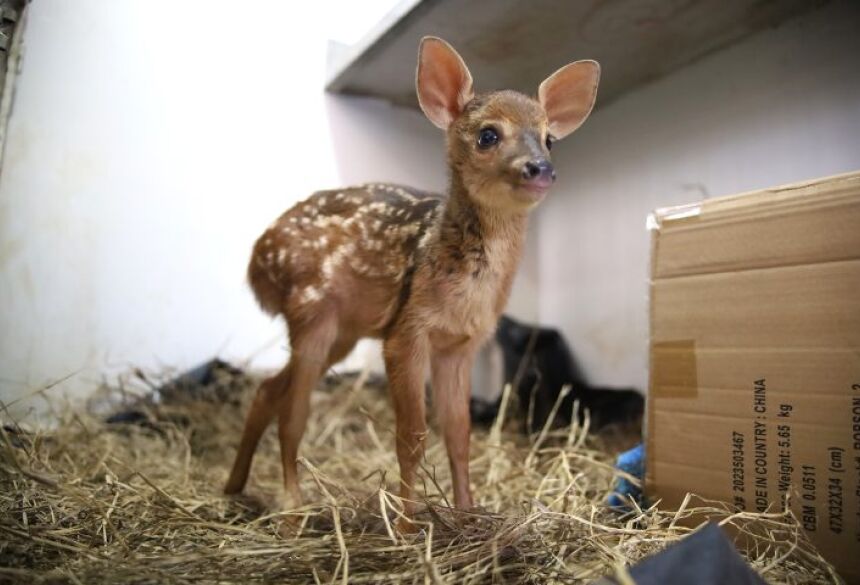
{"points": [[140, 502]]}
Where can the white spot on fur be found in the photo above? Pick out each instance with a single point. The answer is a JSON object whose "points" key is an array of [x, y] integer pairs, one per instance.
{"points": [[379, 207], [309, 210], [410, 229], [323, 221], [320, 243], [406, 195], [425, 239], [282, 255], [310, 294], [359, 266], [334, 260]]}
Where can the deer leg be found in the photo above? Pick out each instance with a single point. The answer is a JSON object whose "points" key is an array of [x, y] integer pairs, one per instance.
{"points": [[451, 382], [259, 416], [406, 366], [311, 356]]}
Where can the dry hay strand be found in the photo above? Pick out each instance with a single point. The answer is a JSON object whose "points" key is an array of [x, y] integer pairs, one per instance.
{"points": [[90, 502]]}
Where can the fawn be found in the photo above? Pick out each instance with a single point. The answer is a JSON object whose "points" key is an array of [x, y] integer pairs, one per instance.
{"points": [[427, 274]]}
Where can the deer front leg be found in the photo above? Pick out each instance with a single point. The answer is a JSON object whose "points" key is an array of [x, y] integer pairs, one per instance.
{"points": [[451, 380], [406, 366]]}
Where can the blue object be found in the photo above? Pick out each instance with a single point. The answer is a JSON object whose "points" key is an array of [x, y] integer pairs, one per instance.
{"points": [[633, 463]]}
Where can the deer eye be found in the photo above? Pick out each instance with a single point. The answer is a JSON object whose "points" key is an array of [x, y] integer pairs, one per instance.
{"points": [[487, 137], [548, 142]]}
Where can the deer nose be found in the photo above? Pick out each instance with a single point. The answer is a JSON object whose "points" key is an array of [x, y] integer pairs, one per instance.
{"points": [[539, 171]]}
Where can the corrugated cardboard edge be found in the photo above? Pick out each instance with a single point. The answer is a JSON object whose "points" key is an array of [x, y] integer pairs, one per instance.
{"points": [[732, 205]]}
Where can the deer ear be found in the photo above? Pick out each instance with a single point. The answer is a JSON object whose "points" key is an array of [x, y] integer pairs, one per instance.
{"points": [[568, 96], [443, 82]]}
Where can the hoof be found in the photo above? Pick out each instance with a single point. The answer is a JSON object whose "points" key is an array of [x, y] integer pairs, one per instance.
{"points": [[232, 490], [289, 527], [405, 527]]}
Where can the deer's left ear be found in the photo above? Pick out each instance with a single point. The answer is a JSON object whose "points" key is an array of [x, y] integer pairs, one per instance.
{"points": [[568, 96]]}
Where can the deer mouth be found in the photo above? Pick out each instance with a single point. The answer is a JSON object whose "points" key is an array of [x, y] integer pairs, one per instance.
{"points": [[537, 188]]}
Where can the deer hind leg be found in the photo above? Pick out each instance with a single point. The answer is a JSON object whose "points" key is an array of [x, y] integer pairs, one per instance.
{"points": [[259, 416], [314, 350], [451, 382], [406, 366]]}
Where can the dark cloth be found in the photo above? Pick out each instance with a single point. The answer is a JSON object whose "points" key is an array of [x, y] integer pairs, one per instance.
{"points": [[706, 557], [546, 364]]}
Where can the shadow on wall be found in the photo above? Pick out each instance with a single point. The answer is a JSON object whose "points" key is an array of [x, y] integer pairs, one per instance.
{"points": [[369, 135]]}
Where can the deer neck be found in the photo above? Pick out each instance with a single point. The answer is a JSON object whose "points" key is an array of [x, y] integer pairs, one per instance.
{"points": [[475, 240]]}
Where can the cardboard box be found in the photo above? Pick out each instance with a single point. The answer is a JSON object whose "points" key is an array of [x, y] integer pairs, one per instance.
{"points": [[755, 357]]}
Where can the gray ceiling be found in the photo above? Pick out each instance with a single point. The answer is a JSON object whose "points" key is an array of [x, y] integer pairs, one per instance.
{"points": [[517, 43]]}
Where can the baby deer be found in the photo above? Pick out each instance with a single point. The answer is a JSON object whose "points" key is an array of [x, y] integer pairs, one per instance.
{"points": [[427, 274]]}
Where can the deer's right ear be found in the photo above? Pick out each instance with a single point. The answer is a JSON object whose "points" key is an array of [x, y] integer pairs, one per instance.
{"points": [[443, 82]]}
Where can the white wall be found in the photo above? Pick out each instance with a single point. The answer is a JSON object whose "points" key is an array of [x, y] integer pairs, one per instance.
{"points": [[151, 142], [782, 106], [149, 145]]}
